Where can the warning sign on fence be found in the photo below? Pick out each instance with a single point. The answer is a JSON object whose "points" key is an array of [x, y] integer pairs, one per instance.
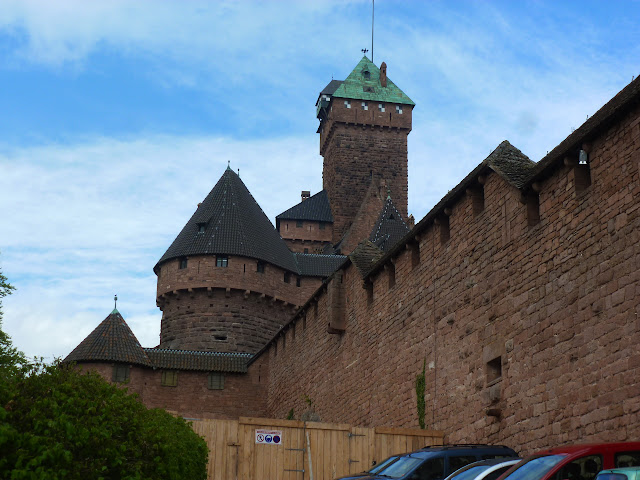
{"points": [[271, 437]]}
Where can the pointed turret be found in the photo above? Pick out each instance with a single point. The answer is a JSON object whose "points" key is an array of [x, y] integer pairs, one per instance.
{"points": [[389, 228], [111, 341]]}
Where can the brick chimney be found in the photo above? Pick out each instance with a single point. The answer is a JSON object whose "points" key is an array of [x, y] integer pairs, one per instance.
{"points": [[383, 74], [305, 194]]}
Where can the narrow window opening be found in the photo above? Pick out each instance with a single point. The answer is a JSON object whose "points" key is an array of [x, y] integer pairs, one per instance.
{"points": [[369, 287], [533, 208], [297, 281], [287, 277], [494, 370], [445, 231], [215, 381], [260, 267], [220, 338], [582, 173], [391, 268], [222, 261], [477, 197], [183, 264], [415, 255]]}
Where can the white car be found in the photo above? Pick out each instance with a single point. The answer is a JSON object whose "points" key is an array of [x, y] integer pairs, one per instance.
{"points": [[484, 469]]}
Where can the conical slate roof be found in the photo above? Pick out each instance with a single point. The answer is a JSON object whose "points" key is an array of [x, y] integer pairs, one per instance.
{"points": [[111, 341], [315, 208], [389, 228], [361, 85], [230, 222]]}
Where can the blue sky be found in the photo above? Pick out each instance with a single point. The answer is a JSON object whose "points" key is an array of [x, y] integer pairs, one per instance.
{"points": [[118, 117]]}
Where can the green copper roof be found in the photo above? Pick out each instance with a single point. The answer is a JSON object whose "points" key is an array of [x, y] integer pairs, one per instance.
{"points": [[358, 86]]}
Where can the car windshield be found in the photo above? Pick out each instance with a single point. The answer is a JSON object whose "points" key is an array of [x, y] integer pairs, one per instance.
{"points": [[536, 468], [400, 467], [469, 473], [382, 465]]}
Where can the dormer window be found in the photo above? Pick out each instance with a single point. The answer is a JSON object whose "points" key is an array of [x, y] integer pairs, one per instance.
{"points": [[202, 227], [365, 105], [367, 75], [347, 103], [381, 107], [399, 109]]}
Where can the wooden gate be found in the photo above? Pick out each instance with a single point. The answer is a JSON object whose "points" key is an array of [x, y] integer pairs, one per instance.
{"points": [[303, 450]]}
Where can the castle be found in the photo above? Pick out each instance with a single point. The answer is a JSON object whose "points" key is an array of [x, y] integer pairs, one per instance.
{"points": [[518, 293]]}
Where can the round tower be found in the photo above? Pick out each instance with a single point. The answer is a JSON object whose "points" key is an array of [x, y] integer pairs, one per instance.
{"points": [[364, 124], [228, 282]]}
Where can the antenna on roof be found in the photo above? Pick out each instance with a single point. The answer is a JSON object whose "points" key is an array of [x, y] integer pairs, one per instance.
{"points": [[373, 8]]}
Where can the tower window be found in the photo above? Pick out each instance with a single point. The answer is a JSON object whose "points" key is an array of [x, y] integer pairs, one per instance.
{"points": [[365, 105], [494, 370], [260, 267], [120, 373], [287, 277], [381, 107], [222, 261], [399, 109], [347, 103], [183, 264], [216, 381]]}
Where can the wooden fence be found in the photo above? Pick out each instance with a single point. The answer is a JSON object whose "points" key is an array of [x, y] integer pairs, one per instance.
{"points": [[267, 449]]}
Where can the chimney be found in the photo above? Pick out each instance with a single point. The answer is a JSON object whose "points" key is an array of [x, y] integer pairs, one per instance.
{"points": [[305, 194], [383, 74]]}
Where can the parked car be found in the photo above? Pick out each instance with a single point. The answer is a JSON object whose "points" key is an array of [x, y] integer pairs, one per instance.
{"points": [[575, 462], [435, 463], [623, 473], [375, 469], [485, 469]]}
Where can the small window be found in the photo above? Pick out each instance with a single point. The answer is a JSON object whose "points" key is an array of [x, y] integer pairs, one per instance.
{"points": [[365, 105], [306, 250], [287, 277], [120, 373], [321, 225], [222, 261], [298, 223], [415, 255], [381, 107], [202, 227], [183, 264], [494, 370], [216, 381], [297, 281], [347, 103], [169, 378], [392, 274], [260, 267], [533, 208], [445, 231], [582, 176], [399, 109], [627, 459], [366, 74]]}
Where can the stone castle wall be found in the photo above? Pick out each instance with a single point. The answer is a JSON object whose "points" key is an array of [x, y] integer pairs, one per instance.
{"points": [[242, 395], [529, 330]]}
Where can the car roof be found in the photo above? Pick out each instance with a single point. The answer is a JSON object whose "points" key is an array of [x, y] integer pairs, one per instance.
{"points": [[586, 447]]}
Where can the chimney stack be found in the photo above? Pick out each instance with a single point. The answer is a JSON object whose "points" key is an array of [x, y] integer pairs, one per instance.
{"points": [[305, 194], [383, 74]]}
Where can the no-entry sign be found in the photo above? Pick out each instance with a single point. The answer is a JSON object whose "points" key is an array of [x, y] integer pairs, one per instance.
{"points": [[269, 437]]}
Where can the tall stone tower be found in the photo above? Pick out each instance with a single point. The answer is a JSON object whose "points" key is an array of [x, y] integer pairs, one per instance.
{"points": [[364, 124]]}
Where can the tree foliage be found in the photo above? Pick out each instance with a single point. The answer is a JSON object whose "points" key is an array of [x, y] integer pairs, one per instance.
{"points": [[420, 389], [57, 422]]}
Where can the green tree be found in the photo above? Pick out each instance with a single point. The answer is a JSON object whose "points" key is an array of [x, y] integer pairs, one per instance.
{"points": [[61, 423]]}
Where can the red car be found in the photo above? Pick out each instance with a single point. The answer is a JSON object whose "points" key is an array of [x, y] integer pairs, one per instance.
{"points": [[575, 462]]}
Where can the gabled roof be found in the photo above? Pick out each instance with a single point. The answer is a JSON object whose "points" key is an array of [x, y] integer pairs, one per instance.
{"points": [[200, 361], [365, 256], [357, 86], [389, 228], [234, 224], [111, 341], [315, 208], [510, 163], [313, 265], [331, 87]]}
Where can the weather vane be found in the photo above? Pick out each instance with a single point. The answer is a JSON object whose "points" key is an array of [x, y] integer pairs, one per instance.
{"points": [[364, 50], [115, 302]]}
